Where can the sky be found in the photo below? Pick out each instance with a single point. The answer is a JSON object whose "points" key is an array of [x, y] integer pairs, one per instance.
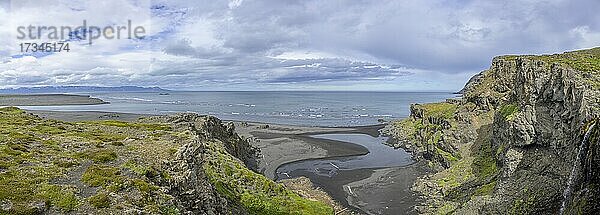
{"points": [[384, 45]]}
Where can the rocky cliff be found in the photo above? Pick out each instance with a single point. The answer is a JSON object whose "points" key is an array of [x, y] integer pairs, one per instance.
{"points": [[515, 143], [180, 164]]}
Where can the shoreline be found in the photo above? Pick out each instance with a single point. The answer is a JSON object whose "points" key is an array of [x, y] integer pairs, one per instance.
{"points": [[362, 129], [369, 190], [7, 100], [282, 144], [298, 138], [379, 193], [77, 116]]}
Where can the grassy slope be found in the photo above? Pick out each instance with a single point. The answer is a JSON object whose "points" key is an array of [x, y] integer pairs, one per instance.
{"points": [[47, 164], [109, 166], [258, 194]]}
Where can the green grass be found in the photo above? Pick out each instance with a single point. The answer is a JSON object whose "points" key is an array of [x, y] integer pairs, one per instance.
{"points": [[146, 126], [38, 159], [485, 189], [586, 61], [92, 134], [23, 185], [59, 196], [508, 111], [11, 110], [101, 175], [100, 200], [582, 60], [458, 173], [144, 186], [446, 155], [446, 209], [99, 155], [427, 134], [256, 193], [441, 110], [49, 127], [26, 166], [35, 153], [138, 168], [484, 165]]}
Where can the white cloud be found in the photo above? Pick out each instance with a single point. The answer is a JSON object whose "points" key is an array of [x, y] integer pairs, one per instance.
{"points": [[396, 45], [586, 37]]}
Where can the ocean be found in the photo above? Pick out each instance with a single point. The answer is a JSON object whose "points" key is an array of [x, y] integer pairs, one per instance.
{"points": [[288, 108]]}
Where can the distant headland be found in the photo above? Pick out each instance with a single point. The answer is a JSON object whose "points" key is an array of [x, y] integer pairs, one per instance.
{"points": [[78, 89]]}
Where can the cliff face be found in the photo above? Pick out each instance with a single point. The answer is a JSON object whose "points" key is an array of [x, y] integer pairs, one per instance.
{"points": [[515, 142], [211, 174]]}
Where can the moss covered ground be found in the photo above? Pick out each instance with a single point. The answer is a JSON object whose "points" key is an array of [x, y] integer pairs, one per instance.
{"points": [[106, 167], [256, 193], [49, 165]]}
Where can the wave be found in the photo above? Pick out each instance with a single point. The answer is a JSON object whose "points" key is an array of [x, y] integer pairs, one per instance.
{"points": [[176, 102], [131, 98], [382, 115]]}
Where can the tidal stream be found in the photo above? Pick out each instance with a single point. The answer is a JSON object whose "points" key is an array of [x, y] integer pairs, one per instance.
{"points": [[332, 173]]}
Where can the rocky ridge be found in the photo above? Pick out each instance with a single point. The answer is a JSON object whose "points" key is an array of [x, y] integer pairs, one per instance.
{"points": [[180, 164], [509, 145]]}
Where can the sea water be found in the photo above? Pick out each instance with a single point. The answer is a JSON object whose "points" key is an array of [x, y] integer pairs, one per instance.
{"points": [[290, 108]]}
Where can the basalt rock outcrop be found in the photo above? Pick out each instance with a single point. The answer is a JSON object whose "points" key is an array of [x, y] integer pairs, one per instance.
{"points": [[510, 144], [189, 184], [209, 127]]}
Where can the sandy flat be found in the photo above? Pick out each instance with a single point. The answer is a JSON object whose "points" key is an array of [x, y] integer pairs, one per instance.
{"points": [[374, 191], [77, 116], [282, 144], [386, 191], [48, 100]]}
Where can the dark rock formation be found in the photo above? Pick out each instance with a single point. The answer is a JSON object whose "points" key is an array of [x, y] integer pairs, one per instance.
{"points": [[517, 131], [189, 184]]}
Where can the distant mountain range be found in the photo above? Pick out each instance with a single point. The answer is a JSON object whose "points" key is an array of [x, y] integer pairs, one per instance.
{"points": [[78, 89]]}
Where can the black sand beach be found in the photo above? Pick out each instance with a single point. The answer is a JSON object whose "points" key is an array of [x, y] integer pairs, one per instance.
{"points": [[371, 191]]}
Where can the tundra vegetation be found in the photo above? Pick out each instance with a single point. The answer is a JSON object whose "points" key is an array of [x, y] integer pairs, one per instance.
{"points": [[106, 167]]}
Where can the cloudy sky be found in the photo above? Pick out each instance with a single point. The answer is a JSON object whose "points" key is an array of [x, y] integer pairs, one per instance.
{"points": [[384, 45]]}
